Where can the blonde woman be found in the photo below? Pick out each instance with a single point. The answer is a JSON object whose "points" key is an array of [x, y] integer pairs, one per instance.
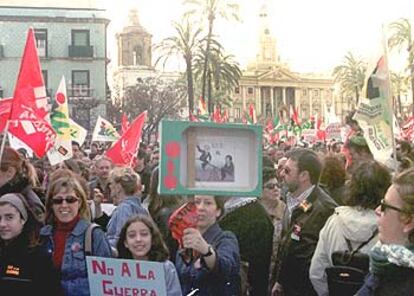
{"points": [[68, 218]]}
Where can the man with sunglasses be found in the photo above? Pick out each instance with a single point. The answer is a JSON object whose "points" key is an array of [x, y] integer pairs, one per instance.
{"points": [[307, 209]]}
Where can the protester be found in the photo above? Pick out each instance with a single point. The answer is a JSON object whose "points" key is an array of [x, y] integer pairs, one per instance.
{"points": [[25, 268], [100, 184], [18, 175], [160, 209], [249, 221], [355, 222], [307, 209], [126, 194], [68, 218], [275, 208], [333, 177], [214, 264], [143, 170], [392, 258], [140, 239]]}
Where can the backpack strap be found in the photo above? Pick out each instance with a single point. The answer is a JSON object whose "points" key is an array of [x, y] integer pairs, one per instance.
{"points": [[361, 245], [366, 242], [88, 238]]}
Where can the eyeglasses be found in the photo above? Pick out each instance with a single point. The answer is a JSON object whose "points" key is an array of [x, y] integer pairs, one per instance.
{"points": [[270, 185], [384, 206], [69, 200]]}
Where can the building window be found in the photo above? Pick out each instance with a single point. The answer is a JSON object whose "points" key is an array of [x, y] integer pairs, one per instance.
{"points": [[41, 42], [80, 38], [80, 83], [237, 113], [44, 74], [237, 90], [316, 93], [250, 90], [304, 92]]}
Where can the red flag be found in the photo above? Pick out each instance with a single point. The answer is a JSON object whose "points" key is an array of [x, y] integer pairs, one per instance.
{"points": [[125, 123], [124, 151], [225, 116], [29, 114], [217, 115], [252, 113], [5, 108]]}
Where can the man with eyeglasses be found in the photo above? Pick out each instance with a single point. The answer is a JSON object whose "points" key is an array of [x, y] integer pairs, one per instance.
{"points": [[307, 209]]}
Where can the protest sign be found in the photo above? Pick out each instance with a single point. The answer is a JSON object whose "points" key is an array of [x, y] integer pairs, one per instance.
{"points": [[333, 131], [109, 276], [211, 159]]}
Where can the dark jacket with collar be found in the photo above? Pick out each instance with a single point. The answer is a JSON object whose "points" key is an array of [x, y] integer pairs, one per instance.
{"points": [[299, 239], [400, 284], [223, 279], [27, 271]]}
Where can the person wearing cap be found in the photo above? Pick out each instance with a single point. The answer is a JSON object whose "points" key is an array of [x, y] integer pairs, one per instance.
{"points": [[25, 269]]}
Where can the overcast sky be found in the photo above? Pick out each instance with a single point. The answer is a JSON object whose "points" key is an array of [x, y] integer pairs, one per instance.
{"points": [[312, 35]]}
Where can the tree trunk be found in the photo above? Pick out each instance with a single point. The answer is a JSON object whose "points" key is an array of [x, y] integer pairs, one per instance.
{"points": [[356, 96], [210, 33], [209, 93], [190, 85]]}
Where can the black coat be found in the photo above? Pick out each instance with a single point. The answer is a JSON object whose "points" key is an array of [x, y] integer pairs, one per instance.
{"points": [[299, 238], [397, 284], [254, 231], [27, 271]]}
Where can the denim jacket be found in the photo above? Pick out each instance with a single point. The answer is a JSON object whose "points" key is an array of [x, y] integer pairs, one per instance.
{"points": [[223, 279], [127, 209], [74, 275]]}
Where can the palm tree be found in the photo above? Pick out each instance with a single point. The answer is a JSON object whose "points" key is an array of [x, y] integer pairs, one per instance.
{"points": [[399, 85], [223, 73], [351, 75], [402, 36], [184, 44], [211, 9]]}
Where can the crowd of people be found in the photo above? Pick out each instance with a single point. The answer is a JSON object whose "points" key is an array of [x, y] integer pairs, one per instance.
{"points": [[316, 200]]}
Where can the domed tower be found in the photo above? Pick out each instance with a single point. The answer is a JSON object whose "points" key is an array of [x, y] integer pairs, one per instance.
{"points": [[134, 43], [267, 43]]}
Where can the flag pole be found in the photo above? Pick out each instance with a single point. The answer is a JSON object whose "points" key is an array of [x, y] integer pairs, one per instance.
{"points": [[389, 99], [3, 142]]}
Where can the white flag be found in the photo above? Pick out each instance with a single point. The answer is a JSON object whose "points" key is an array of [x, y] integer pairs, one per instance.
{"points": [[77, 132], [104, 131], [62, 148]]}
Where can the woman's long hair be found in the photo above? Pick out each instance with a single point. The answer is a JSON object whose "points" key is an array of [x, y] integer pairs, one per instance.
{"points": [[158, 251]]}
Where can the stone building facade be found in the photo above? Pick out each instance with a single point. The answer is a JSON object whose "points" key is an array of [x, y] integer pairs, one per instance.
{"points": [[71, 42]]}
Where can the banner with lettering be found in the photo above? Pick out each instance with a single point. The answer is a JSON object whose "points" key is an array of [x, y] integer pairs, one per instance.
{"points": [[109, 276]]}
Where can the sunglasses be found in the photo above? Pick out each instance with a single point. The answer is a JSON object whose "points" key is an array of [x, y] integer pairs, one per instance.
{"points": [[69, 200], [384, 206], [270, 186]]}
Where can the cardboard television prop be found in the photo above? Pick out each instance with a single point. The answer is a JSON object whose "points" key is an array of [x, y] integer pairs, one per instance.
{"points": [[210, 158]]}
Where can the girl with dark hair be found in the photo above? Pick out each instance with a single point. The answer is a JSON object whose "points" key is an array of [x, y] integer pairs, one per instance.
{"points": [[140, 239], [25, 268]]}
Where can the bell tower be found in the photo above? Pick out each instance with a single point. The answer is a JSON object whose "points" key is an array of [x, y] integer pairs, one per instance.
{"points": [[267, 43], [134, 43]]}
